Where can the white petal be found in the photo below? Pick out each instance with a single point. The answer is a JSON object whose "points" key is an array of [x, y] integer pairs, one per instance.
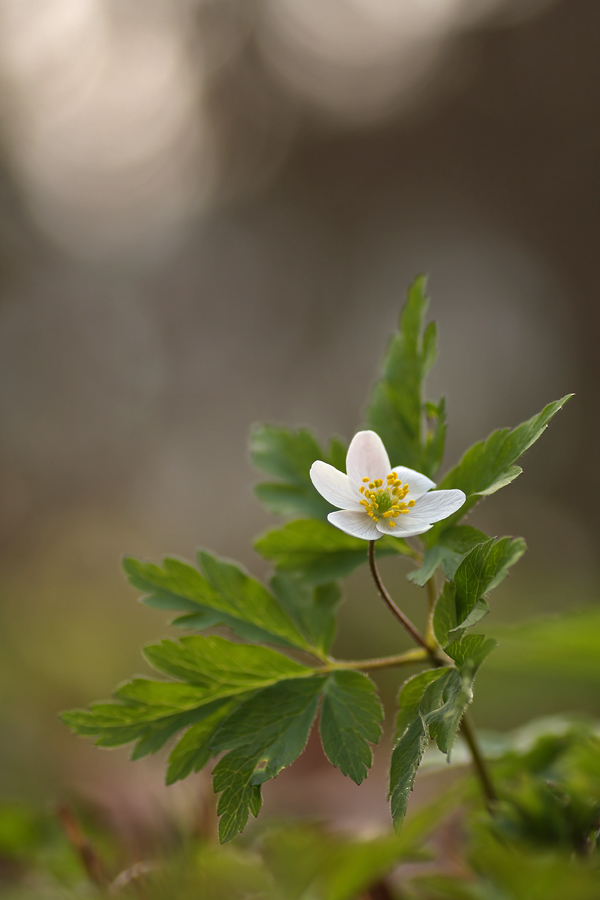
{"points": [[357, 524], [418, 484], [367, 457], [335, 486], [438, 505], [406, 526]]}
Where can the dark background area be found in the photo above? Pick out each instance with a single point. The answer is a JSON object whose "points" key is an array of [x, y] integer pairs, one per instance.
{"points": [[209, 215]]}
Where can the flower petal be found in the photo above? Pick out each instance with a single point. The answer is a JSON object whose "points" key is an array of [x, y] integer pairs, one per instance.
{"points": [[334, 486], [438, 505], [418, 484], [406, 526], [358, 524], [367, 457]]}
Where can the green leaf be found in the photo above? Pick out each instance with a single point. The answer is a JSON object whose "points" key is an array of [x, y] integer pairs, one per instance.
{"points": [[454, 545], [192, 751], [224, 595], [221, 667], [312, 608], [410, 696], [351, 719], [471, 650], [396, 411], [246, 599], [287, 456], [319, 552], [432, 705], [462, 604], [115, 724], [267, 733], [456, 692], [406, 757], [490, 465], [215, 672], [418, 696]]}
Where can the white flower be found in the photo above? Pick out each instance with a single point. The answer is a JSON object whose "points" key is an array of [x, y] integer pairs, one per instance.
{"points": [[375, 499]]}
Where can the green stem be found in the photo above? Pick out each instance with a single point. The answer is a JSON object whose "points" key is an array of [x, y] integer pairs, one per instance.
{"points": [[383, 662], [430, 646], [430, 637], [404, 621]]}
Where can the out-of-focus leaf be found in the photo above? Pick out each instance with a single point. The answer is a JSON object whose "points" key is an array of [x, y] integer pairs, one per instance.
{"points": [[396, 410], [287, 456], [351, 718], [563, 647]]}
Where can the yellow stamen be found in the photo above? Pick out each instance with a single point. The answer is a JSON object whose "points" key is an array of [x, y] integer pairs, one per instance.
{"points": [[365, 480]]}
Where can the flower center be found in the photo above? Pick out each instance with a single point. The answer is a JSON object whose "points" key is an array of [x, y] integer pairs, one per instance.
{"points": [[385, 500]]}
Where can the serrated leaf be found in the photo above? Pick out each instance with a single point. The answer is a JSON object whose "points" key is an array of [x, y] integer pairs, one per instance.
{"points": [[312, 608], [267, 733], [454, 545], [221, 667], [396, 410], [287, 456], [418, 696], [351, 718], [432, 705], [215, 671], [406, 757], [490, 465], [246, 599], [114, 724], [192, 751], [320, 553], [226, 596], [447, 709], [472, 650], [462, 604], [410, 696]]}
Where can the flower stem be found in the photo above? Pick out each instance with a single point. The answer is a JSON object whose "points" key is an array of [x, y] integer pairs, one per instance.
{"points": [[429, 644], [487, 786], [404, 621]]}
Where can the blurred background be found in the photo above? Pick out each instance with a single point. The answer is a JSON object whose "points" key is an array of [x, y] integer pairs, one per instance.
{"points": [[210, 211]]}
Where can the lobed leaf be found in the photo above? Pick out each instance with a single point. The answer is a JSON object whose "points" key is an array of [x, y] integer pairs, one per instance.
{"points": [[193, 751], [221, 667], [267, 733], [351, 719], [216, 676], [320, 553], [287, 455], [224, 594], [312, 608], [432, 706], [453, 546], [396, 410], [462, 604], [490, 465]]}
